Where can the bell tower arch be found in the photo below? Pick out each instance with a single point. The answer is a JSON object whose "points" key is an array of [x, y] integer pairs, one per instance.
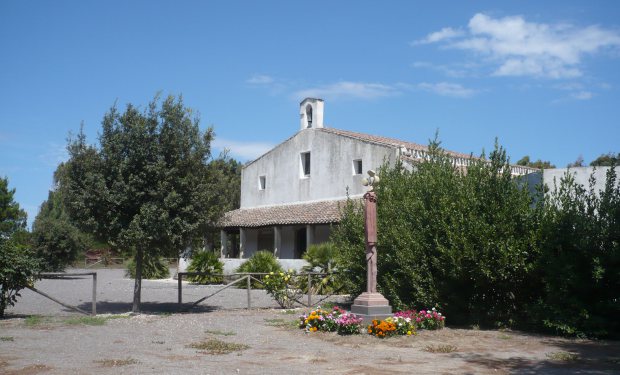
{"points": [[311, 113]]}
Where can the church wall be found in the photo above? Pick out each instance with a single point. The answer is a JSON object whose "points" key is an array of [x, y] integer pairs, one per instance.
{"points": [[331, 169]]}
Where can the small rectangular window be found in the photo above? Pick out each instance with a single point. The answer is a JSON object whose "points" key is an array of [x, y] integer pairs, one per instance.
{"points": [[262, 182], [357, 166], [305, 164]]}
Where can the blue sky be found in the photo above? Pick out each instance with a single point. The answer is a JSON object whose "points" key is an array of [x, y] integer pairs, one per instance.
{"points": [[543, 77]]}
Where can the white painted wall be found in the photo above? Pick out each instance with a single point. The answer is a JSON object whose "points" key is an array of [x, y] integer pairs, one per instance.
{"points": [[582, 176], [331, 169]]}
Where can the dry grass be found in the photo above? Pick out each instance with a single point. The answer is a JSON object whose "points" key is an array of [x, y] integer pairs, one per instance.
{"points": [[563, 356], [215, 346], [220, 332], [283, 323], [440, 348], [117, 362], [7, 338]]}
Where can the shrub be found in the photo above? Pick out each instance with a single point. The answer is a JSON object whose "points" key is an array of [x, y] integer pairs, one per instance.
{"points": [[321, 258], [206, 261], [261, 262], [57, 243], [281, 287], [18, 269], [579, 266], [465, 239], [152, 268]]}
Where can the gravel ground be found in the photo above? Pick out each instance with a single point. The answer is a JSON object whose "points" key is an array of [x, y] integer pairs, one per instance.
{"points": [[58, 341], [115, 295]]}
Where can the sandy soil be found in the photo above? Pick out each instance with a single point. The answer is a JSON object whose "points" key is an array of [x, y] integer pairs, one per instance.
{"points": [[161, 343]]}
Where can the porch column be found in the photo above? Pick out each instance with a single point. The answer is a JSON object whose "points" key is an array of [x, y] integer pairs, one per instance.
{"points": [[241, 242], [224, 244], [277, 241], [309, 235]]}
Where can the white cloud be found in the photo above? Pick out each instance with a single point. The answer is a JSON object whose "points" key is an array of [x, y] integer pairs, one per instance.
{"points": [[241, 149], [345, 89], [582, 95], [519, 48], [447, 89], [260, 79], [454, 70], [443, 34]]}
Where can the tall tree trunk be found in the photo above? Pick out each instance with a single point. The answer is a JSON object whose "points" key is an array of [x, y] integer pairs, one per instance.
{"points": [[138, 281]]}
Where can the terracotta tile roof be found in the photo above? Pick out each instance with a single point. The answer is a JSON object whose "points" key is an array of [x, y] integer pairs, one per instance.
{"points": [[393, 142], [321, 212]]}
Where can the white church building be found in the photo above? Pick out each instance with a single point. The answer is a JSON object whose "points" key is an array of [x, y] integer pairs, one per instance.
{"points": [[291, 195]]}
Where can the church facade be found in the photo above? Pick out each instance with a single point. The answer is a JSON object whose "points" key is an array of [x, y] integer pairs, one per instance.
{"points": [[291, 196]]}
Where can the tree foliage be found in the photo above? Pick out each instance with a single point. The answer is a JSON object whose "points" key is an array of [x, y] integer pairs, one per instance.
{"points": [[577, 163], [12, 218], [580, 262], [540, 164], [484, 249], [464, 240], [147, 186], [18, 267], [606, 160], [56, 241]]}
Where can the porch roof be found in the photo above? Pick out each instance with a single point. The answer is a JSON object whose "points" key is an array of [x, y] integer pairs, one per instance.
{"points": [[320, 212]]}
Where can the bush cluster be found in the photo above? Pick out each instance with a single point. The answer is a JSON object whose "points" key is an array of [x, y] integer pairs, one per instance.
{"points": [[153, 267], [206, 261], [489, 250], [262, 261]]}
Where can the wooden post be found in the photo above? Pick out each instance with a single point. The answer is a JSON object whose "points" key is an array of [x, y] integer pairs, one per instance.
{"points": [[309, 289], [180, 285], [94, 307], [249, 286]]}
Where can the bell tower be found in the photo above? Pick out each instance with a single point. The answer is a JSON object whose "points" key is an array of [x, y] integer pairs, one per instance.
{"points": [[311, 113]]}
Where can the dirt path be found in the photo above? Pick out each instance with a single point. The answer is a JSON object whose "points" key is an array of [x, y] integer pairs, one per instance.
{"points": [[40, 337], [160, 344]]}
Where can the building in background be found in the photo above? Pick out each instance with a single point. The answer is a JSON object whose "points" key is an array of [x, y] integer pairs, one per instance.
{"points": [[291, 195]]}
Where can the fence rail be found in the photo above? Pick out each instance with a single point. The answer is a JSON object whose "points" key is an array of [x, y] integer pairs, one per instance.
{"points": [[248, 277], [54, 275]]}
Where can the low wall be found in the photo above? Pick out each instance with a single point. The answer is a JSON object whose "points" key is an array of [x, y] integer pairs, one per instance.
{"points": [[231, 264]]}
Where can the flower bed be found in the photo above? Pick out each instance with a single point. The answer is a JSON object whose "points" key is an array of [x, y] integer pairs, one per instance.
{"points": [[403, 323]]}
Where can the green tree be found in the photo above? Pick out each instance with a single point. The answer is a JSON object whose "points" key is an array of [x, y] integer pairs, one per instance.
{"points": [[577, 163], [540, 164], [18, 267], [56, 241], [580, 262], [147, 187], [12, 218], [606, 160], [465, 240], [226, 171]]}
